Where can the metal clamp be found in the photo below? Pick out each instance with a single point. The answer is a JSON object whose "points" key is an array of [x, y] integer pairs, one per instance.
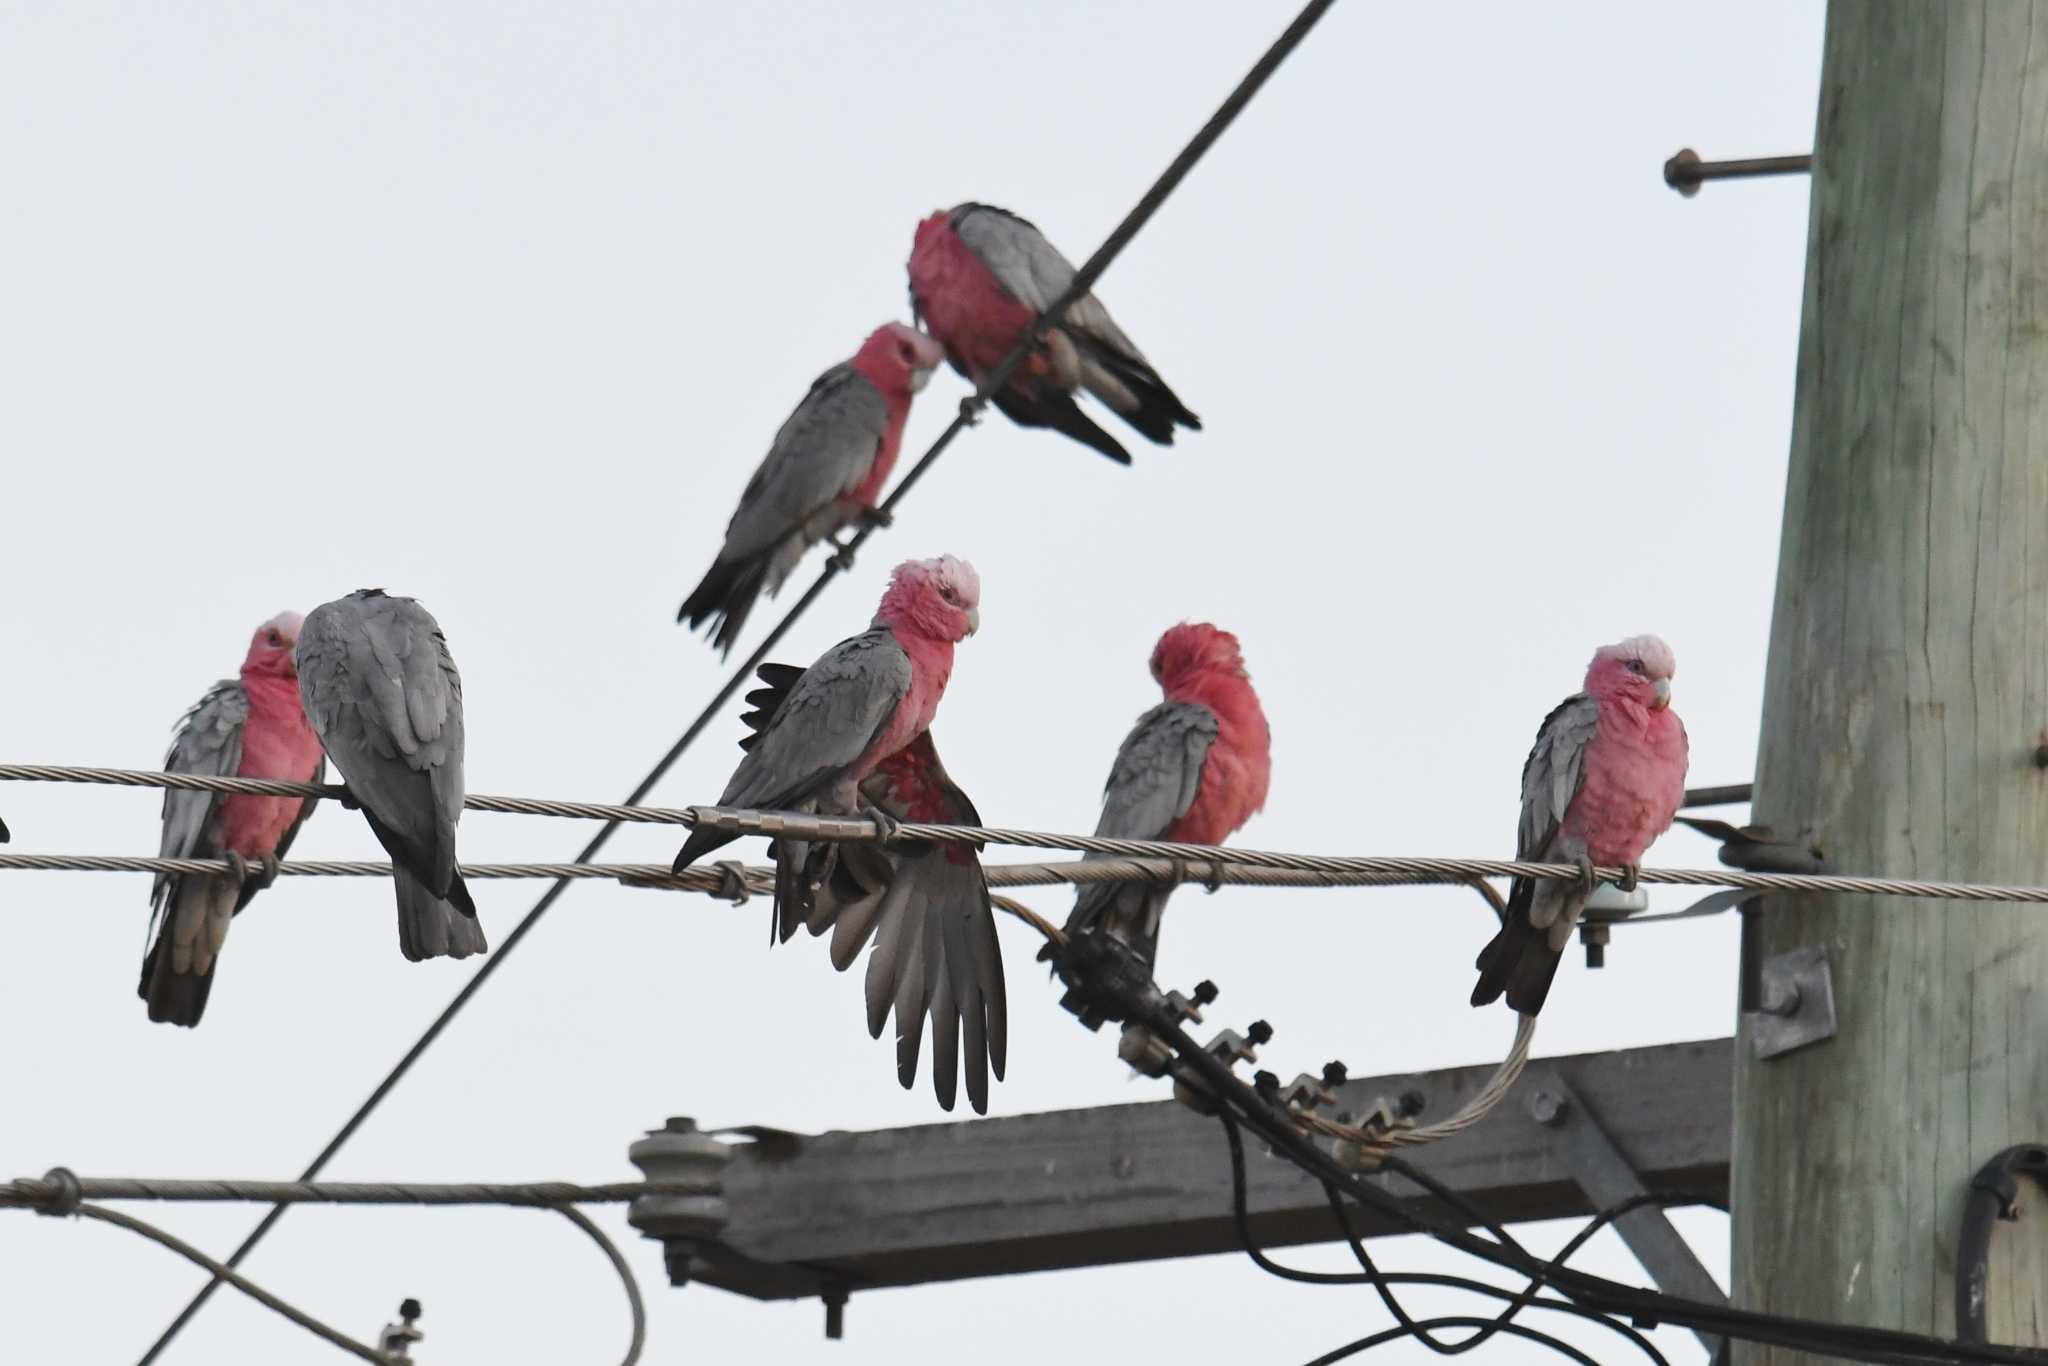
{"points": [[1795, 1003]]}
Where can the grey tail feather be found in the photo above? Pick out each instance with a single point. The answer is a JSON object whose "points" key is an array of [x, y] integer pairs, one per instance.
{"points": [[700, 843], [1063, 415], [725, 597], [1159, 409], [1129, 911], [1518, 961], [431, 927], [177, 998], [4, 836]]}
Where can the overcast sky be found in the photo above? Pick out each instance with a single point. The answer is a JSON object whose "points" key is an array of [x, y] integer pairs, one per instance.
{"points": [[498, 305]]}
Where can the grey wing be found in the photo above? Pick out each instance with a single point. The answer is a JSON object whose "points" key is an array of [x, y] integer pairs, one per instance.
{"points": [[822, 453], [1157, 772], [831, 716], [384, 696], [208, 742], [1031, 268], [1554, 772]]}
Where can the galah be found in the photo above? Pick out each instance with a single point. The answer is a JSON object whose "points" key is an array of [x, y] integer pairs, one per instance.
{"points": [[1193, 770], [980, 276], [384, 696], [866, 698], [250, 726], [1605, 779], [926, 907], [823, 473]]}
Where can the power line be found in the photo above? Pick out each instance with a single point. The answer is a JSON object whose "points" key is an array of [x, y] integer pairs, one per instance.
{"points": [[1084, 280], [62, 1188]]}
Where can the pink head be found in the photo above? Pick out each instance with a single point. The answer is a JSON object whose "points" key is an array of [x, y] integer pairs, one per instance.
{"points": [[939, 599], [1194, 650], [897, 359], [1636, 670], [270, 649]]}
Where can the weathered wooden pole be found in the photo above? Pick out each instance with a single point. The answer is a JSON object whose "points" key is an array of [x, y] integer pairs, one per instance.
{"points": [[1907, 691]]}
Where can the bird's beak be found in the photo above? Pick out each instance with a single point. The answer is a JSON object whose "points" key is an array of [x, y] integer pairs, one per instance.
{"points": [[1663, 698], [919, 378], [973, 620]]}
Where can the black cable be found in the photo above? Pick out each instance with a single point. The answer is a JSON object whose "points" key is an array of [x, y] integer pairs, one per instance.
{"points": [[1383, 1281], [1084, 279], [1520, 1330], [1644, 1308]]}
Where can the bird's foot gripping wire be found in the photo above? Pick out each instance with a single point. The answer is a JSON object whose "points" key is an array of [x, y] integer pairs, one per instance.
{"points": [[348, 800], [842, 560], [1587, 878], [970, 412], [886, 825], [1631, 874], [877, 518], [259, 874]]}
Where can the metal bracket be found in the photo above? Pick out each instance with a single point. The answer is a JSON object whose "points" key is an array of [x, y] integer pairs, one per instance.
{"points": [[1608, 1178], [1795, 1003]]}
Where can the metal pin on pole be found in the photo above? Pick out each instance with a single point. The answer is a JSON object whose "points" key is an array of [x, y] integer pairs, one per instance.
{"points": [[1685, 172]]}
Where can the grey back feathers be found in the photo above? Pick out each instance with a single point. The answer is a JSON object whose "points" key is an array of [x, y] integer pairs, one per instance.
{"points": [[189, 916], [1157, 773], [383, 694], [822, 453], [1553, 773]]}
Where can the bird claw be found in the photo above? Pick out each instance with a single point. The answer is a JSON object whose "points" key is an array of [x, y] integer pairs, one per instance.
{"points": [[886, 825], [878, 518], [239, 864], [348, 800], [843, 561], [1588, 880], [970, 411], [1631, 874]]}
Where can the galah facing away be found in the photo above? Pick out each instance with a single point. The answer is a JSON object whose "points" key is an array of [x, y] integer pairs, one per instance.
{"points": [[384, 696], [1604, 780], [823, 473], [925, 906], [979, 277], [866, 698], [1193, 769], [251, 726]]}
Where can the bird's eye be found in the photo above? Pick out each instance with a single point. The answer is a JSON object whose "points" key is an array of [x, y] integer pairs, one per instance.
{"points": [[949, 595], [275, 638], [1635, 666]]}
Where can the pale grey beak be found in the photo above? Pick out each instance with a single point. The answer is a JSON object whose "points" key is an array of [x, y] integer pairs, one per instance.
{"points": [[918, 379], [973, 620], [1663, 695]]}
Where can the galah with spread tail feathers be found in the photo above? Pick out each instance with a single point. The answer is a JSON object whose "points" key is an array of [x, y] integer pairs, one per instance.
{"points": [[925, 906], [386, 701], [980, 276], [1193, 770], [251, 726], [1605, 779], [823, 473], [865, 699]]}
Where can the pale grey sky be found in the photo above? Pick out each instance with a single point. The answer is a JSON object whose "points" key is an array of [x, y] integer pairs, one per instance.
{"points": [[498, 305]]}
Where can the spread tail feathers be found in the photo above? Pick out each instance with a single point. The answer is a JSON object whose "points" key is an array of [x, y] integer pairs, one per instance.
{"points": [[433, 927], [1518, 960], [724, 598]]}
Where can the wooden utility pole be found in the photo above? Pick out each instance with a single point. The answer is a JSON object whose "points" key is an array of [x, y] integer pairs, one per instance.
{"points": [[1907, 694]]}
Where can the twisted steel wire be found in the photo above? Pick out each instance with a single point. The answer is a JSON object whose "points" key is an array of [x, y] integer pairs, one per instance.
{"points": [[56, 1191], [1374, 1143]]}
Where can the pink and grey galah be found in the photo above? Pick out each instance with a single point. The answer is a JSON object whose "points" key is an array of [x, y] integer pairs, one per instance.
{"points": [[1193, 770], [980, 276], [823, 473], [863, 700], [250, 726], [1605, 779], [925, 906], [383, 695]]}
